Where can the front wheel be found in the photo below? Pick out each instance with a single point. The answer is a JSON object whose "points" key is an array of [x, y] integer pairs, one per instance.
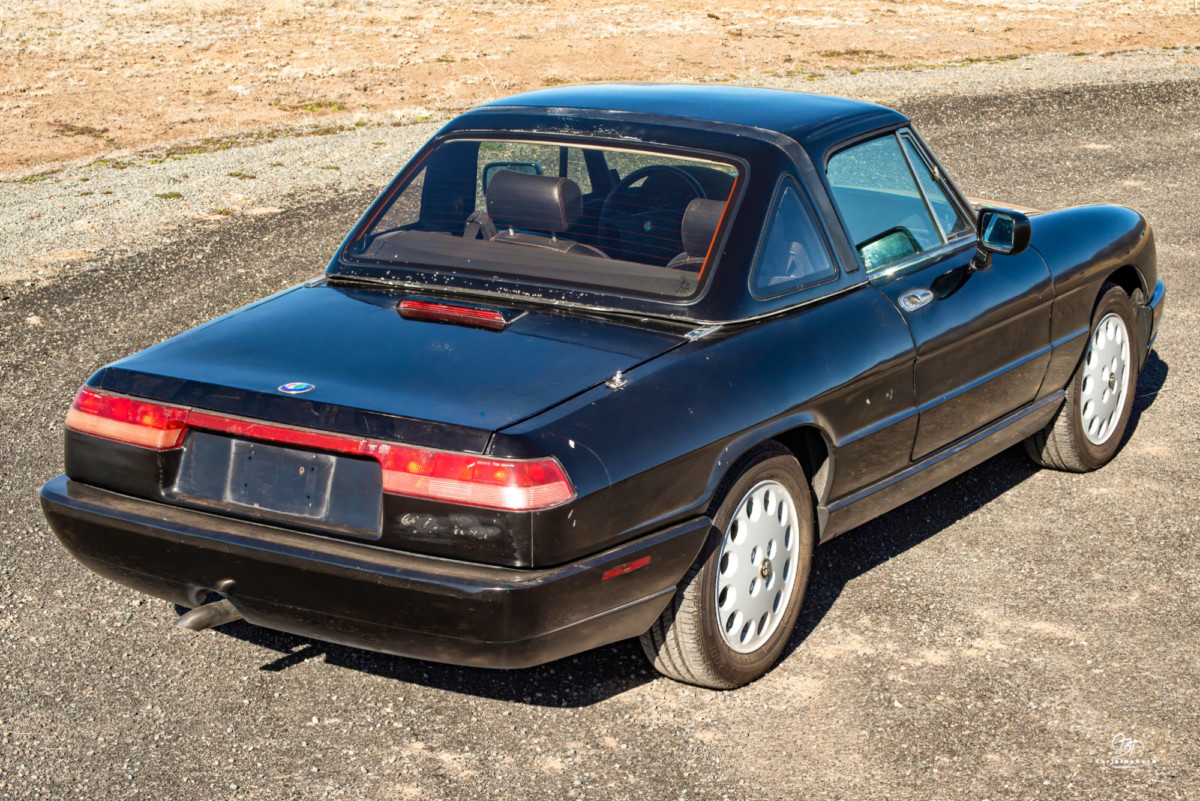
{"points": [[735, 609], [1088, 429]]}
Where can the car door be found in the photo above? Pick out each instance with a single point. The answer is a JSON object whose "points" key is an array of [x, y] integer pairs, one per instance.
{"points": [[982, 336]]}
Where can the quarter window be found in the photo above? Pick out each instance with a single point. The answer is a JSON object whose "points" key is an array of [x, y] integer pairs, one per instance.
{"points": [[947, 215], [793, 252]]}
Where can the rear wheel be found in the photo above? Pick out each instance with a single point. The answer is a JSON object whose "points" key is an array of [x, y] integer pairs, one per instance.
{"points": [[1088, 429], [735, 609]]}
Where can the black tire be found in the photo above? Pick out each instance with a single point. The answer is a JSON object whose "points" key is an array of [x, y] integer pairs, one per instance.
{"points": [[1063, 444], [686, 643]]}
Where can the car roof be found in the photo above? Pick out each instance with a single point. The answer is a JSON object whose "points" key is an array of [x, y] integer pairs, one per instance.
{"points": [[801, 116], [773, 132]]}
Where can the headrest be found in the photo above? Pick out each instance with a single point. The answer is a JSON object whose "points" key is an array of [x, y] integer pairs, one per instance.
{"points": [[700, 221], [539, 202]]}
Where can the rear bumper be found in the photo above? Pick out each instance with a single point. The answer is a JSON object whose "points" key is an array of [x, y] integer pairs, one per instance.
{"points": [[371, 597]]}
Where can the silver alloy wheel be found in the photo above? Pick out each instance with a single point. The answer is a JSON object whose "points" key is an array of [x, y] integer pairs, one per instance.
{"points": [[756, 571], [1105, 375]]}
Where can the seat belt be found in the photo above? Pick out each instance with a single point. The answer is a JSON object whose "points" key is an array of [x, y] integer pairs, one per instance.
{"points": [[479, 222]]}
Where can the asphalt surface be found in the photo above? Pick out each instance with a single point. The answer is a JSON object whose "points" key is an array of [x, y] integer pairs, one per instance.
{"points": [[999, 638]]}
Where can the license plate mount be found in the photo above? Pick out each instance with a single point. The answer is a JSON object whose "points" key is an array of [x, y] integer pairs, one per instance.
{"points": [[325, 491]]}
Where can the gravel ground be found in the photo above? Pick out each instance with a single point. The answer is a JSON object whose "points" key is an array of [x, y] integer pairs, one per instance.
{"points": [[132, 202], [989, 640]]}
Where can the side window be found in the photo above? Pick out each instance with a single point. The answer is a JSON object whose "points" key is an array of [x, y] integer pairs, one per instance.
{"points": [[793, 252], [883, 208], [951, 221]]}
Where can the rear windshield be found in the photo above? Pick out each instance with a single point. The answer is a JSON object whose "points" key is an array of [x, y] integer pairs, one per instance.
{"points": [[605, 218]]}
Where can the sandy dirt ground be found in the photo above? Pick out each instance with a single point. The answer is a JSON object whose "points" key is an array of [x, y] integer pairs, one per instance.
{"points": [[93, 78]]}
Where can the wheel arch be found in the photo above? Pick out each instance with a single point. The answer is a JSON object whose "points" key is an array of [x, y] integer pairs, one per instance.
{"points": [[810, 445], [1133, 282], [804, 438], [1129, 278]]}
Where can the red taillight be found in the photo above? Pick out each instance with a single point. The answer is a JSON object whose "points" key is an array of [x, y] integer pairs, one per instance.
{"points": [[452, 313], [136, 422], [286, 435], [523, 485], [515, 485]]}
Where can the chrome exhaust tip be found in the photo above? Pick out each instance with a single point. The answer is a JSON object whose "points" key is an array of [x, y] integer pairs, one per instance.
{"points": [[208, 616]]}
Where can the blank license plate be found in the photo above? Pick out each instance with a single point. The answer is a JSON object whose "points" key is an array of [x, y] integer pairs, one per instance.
{"points": [[328, 491], [280, 479]]}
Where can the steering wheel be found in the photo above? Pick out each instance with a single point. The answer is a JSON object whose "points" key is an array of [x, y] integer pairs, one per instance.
{"points": [[646, 233]]}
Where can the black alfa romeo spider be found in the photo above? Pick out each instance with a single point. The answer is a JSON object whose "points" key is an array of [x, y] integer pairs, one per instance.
{"points": [[606, 362]]}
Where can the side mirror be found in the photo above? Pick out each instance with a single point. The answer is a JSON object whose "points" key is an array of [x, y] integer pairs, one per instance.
{"points": [[1000, 231], [527, 167]]}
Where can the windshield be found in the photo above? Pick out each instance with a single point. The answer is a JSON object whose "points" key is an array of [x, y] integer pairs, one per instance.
{"points": [[606, 218]]}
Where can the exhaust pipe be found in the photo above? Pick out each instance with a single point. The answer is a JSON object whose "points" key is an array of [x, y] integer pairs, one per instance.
{"points": [[208, 616]]}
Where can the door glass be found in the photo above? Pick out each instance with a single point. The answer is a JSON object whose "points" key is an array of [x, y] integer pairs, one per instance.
{"points": [[952, 222], [884, 211]]}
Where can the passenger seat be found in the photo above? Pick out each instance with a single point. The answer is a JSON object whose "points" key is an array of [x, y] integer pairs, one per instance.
{"points": [[700, 221]]}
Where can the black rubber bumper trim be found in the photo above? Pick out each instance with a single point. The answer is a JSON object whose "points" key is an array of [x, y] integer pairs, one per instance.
{"points": [[367, 596]]}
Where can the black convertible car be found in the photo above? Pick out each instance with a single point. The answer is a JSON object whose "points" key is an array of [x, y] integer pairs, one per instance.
{"points": [[606, 362]]}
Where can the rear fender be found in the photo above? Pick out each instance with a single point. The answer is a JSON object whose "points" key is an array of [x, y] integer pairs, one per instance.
{"points": [[655, 450]]}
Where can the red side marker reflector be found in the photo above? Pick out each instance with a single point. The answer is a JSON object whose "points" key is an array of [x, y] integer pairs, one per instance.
{"points": [[451, 313], [628, 567]]}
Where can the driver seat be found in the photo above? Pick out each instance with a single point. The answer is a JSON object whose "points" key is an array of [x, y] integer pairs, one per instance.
{"points": [[531, 210], [699, 226]]}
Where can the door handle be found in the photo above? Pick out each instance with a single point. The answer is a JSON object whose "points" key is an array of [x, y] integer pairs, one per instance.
{"points": [[911, 301]]}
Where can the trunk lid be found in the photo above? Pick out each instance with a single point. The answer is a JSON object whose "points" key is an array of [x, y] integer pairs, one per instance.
{"points": [[374, 373]]}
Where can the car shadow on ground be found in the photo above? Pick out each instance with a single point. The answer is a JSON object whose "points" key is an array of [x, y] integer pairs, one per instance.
{"points": [[873, 543], [1150, 383], [602, 673], [576, 681], [859, 551]]}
